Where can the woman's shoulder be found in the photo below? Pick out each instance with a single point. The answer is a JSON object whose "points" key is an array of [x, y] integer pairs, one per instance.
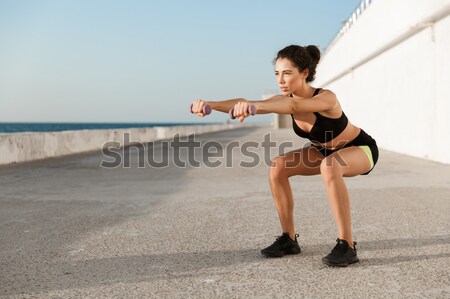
{"points": [[334, 107], [324, 91], [326, 95]]}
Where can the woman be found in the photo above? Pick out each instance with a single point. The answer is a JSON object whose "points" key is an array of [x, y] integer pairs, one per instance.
{"points": [[338, 148]]}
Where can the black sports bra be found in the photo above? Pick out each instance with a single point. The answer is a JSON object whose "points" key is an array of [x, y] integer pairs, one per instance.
{"points": [[324, 129]]}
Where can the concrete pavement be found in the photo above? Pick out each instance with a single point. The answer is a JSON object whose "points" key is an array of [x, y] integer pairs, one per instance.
{"points": [[72, 229]]}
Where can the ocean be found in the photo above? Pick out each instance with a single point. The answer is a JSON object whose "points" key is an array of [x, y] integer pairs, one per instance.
{"points": [[52, 127]]}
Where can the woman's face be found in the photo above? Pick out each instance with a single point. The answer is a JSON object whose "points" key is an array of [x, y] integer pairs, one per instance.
{"points": [[288, 76]]}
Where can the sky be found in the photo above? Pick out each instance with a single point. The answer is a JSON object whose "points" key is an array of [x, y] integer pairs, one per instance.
{"points": [[146, 61]]}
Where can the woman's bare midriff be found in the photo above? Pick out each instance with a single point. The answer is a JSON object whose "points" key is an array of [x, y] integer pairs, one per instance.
{"points": [[350, 132]]}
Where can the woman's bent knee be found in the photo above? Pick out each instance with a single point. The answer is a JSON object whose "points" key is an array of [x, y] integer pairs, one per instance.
{"points": [[278, 168], [330, 169]]}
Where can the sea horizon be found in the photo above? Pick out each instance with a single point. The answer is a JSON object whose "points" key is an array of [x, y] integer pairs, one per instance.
{"points": [[22, 127]]}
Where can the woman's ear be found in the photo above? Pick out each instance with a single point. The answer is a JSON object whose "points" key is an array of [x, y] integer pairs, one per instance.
{"points": [[305, 73]]}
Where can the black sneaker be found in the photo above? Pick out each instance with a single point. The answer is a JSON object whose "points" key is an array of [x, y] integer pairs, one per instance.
{"points": [[282, 246], [342, 255]]}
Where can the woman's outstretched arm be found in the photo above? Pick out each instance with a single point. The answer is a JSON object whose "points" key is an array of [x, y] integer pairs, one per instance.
{"points": [[277, 104], [226, 105], [286, 105], [222, 106]]}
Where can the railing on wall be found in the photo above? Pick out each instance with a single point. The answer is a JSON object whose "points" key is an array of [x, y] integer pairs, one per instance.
{"points": [[348, 23], [422, 24]]}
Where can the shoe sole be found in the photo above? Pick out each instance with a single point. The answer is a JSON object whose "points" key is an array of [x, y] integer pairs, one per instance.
{"points": [[281, 254], [341, 264]]}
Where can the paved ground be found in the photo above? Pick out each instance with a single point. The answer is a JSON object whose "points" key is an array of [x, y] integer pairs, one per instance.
{"points": [[72, 229]]}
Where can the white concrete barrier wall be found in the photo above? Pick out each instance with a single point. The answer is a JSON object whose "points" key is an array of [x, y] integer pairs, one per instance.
{"points": [[401, 96], [22, 147]]}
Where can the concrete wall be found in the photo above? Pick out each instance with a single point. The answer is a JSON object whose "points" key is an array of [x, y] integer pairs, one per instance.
{"points": [[391, 73], [21, 147]]}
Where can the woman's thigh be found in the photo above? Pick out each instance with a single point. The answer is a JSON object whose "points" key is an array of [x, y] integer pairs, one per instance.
{"points": [[303, 161], [352, 161]]}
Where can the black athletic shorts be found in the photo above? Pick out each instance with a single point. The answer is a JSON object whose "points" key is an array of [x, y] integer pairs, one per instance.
{"points": [[364, 141]]}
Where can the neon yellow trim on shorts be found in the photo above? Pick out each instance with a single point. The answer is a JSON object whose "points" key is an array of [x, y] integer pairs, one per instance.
{"points": [[368, 152]]}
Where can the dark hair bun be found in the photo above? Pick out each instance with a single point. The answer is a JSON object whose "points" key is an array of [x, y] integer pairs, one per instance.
{"points": [[314, 52]]}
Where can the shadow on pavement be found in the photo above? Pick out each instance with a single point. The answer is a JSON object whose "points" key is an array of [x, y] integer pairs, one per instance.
{"points": [[166, 266], [131, 269], [401, 259]]}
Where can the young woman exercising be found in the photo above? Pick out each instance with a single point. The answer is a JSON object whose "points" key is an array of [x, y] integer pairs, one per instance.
{"points": [[338, 148]]}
